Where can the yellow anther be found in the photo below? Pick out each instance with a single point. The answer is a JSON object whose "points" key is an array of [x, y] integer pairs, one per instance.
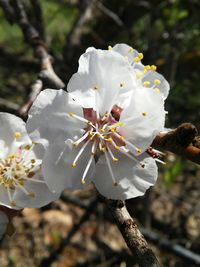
{"points": [[140, 55], [122, 138], [146, 83], [147, 68], [117, 147], [11, 156], [71, 114], [113, 130], [130, 50], [33, 161], [17, 135], [121, 84], [139, 150], [157, 90], [98, 135], [75, 144], [109, 139], [102, 130], [144, 114], [156, 81], [83, 181], [136, 59], [73, 165], [153, 67], [96, 87], [115, 159], [31, 194], [110, 48]]}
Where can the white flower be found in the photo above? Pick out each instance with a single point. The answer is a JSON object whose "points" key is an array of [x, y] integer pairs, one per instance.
{"points": [[107, 115], [21, 181], [3, 223]]}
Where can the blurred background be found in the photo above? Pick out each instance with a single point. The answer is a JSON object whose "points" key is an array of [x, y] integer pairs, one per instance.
{"points": [[78, 230]]}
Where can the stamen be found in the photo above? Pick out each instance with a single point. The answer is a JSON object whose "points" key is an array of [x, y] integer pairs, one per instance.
{"points": [[130, 50], [136, 59], [9, 195], [121, 84], [156, 81], [158, 152], [144, 114], [111, 154], [160, 161], [131, 156], [76, 143], [94, 147], [157, 90], [138, 150], [79, 153], [72, 114], [146, 83], [110, 48], [140, 55], [117, 124], [17, 135], [110, 169], [153, 68], [22, 187], [87, 169]]}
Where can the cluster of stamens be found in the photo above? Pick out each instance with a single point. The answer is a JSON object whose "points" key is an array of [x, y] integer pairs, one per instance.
{"points": [[104, 136], [15, 170], [146, 69]]}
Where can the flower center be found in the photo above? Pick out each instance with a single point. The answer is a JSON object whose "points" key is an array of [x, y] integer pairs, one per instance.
{"points": [[105, 135], [14, 172], [18, 168]]}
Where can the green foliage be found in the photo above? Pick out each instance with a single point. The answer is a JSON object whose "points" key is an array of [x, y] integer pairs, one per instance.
{"points": [[172, 171]]}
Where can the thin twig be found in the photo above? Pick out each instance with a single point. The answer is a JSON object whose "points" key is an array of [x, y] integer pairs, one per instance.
{"points": [[35, 89]]}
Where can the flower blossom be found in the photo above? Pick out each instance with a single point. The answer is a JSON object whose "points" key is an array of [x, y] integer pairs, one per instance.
{"points": [[108, 117], [21, 181]]}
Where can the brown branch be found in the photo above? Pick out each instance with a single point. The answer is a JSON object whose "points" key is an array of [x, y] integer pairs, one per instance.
{"points": [[15, 13], [35, 89], [182, 141], [132, 235]]}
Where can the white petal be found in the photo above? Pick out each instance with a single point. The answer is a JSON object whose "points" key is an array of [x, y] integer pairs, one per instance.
{"points": [[102, 79], [132, 179], [42, 195], [126, 51], [10, 124], [57, 167], [49, 116], [151, 76], [143, 119], [3, 223]]}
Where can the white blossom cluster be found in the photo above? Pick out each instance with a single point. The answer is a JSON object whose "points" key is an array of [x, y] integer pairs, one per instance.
{"points": [[99, 131]]}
